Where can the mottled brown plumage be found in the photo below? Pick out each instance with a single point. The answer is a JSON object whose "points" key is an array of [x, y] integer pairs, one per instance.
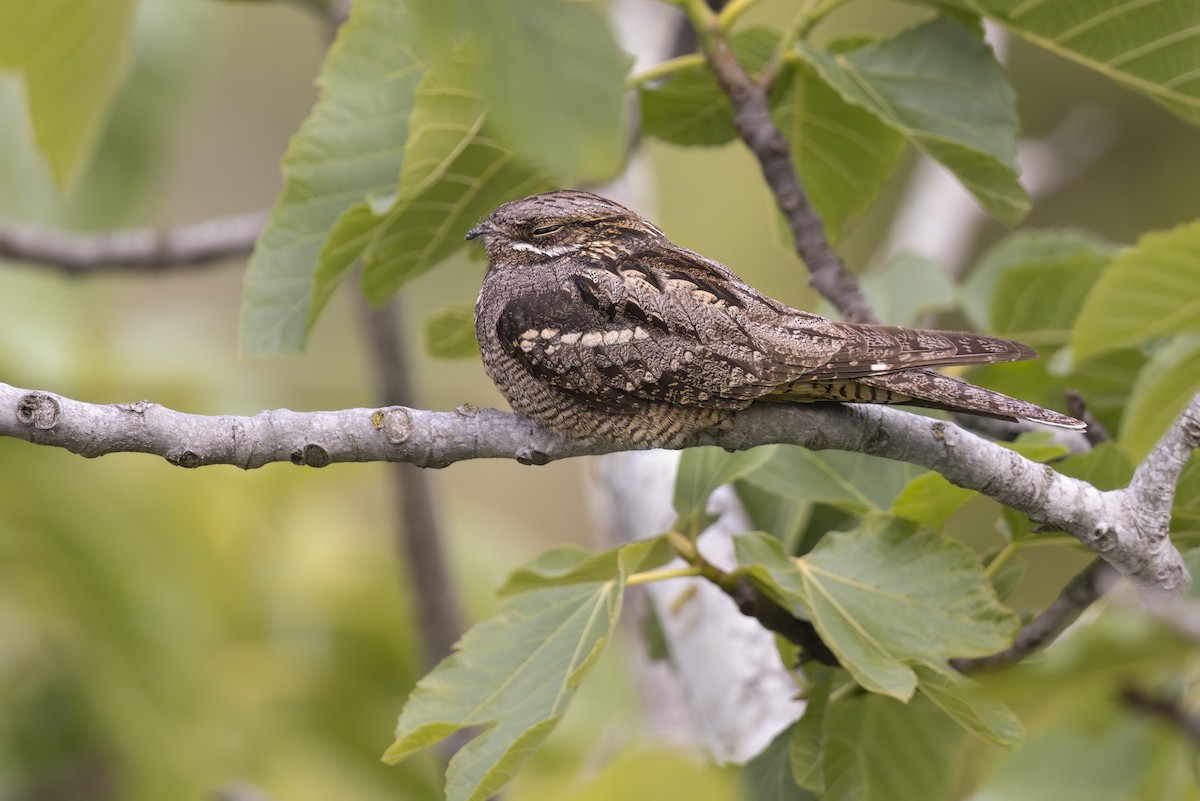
{"points": [[593, 323]]}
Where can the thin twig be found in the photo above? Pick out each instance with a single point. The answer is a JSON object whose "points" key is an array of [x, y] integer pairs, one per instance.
{"points": [[1077, 407], [752, 119], [1079, 593], [132, 248], [418, 534], [1168, 709]]}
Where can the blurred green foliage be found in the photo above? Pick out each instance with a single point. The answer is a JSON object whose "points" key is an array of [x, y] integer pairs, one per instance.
{"points": [[169, 634]]}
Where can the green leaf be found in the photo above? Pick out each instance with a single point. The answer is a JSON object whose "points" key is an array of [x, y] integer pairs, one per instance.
{"points": [[878, 749], [455, 173], [1037, 299], [72, 56], [344, 152], [449, 333], [690, 108], [1050, 249], [554, 78], [942, 88], [1165, 386], [513, 676], [1150, 290], [853, 482], [1147, 46], [929, 499], [569, 565], [702, 470], [962, 703], [843, 153], [807, 752], [908, 288], [768, 777], [1106, 467], [782, 517], [883, 597]]}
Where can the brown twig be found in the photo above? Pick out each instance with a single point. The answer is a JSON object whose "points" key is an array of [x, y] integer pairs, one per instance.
{"points": [[1168, 709], [752, 119], [1077, 407], [774, 617], [185, 245], [418, 533], [1080, 593]]}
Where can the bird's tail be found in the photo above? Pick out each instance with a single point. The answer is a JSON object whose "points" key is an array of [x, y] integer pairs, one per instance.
{"points": [[937, 391]]}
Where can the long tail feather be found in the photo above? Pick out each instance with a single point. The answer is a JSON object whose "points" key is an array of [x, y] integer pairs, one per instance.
{"points": [[937, 391]]}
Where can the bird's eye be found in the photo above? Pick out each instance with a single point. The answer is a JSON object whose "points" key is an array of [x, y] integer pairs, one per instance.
{"points": [[544, 230]]}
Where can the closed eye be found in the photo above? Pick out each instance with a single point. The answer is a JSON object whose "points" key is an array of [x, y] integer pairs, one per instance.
{"points": [[544, 230]]}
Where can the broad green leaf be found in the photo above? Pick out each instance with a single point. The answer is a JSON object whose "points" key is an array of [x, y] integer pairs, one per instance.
{"points": [[852, 482], [347, 150], [513, 677], [768, 777], [929, 499], [71, 55], [1149, 46], [883, 597], [569, 565], [1166, 385], [702, 470], [1105, 467], [878, 749], [449, 333], [554, 78], [1038, 301], [1050, 249], [807, 752], [1105, 381], [953, 694], [454, 173], [690, 108], [909, 287], [782, 517], [942, 88], [1150, 290], [843, 153]]}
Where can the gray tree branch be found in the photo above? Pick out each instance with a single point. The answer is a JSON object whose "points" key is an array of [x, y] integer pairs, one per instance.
{"points": [[1133, 540], [132, 248]]}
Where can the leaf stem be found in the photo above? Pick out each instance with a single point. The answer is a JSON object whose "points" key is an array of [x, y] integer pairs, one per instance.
{"points": [[665, 69], [806, 19], [1006, 553], [651, 576]]}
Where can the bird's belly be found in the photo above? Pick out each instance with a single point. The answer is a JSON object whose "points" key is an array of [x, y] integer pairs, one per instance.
{"points": [[654, 425]]}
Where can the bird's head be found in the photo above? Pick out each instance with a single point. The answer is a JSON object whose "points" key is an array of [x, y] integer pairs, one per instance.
{"points": [[541, 228]]}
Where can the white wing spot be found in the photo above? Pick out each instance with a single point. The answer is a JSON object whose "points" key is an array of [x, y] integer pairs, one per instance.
{"points": [[881, 366], [591, 339], [529, 333], [549, 333], [641, 333], [571, 338]]}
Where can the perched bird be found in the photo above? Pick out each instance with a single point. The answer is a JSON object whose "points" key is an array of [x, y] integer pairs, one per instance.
{"points": [[591, 322]]}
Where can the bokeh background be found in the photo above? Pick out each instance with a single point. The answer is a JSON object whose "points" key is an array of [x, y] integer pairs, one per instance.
{"points": [[170, 634]]}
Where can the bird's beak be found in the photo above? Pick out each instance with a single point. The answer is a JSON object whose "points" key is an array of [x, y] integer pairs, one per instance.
{"points": [[483, 228]]}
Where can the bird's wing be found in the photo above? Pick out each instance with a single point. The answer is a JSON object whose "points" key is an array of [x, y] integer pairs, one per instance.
{"points": [[618, 361]]}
